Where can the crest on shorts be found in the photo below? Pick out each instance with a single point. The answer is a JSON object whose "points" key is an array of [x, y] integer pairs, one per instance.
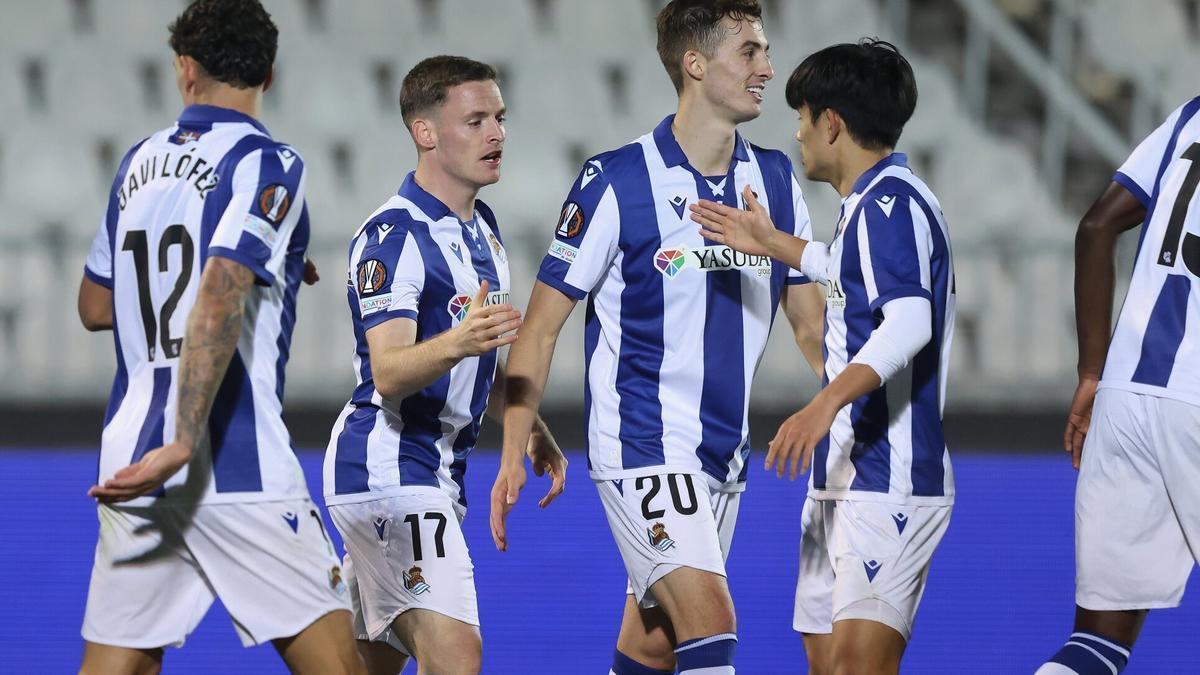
{"points": [[414, 582], [659, 538], [335, 576]]}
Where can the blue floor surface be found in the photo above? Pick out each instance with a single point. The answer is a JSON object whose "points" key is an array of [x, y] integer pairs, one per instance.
{"points": [[999, 598]]}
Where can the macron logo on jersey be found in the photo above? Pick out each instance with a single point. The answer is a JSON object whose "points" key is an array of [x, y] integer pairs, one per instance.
{"points": [[672, 261], [592, 169], [886, 203]]}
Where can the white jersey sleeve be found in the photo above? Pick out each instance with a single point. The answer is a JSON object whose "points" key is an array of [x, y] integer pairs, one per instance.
{"points": [[256, 227], [1140, 171], [894, 249], [388, 269], [585, 241], [802, 228]]}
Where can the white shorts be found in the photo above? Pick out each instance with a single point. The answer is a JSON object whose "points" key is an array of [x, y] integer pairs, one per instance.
{"points": [[864, 560], [665, 522], [158, 569], [1137, 504], [392, 571]]}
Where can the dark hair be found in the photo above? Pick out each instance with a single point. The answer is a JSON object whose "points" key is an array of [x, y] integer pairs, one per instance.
{"points": [[684, 25], [870, 84], [233, 40], [425, 86]]}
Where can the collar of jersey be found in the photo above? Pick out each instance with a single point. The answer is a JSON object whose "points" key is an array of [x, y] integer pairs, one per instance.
{"points": [[672, 154], [211, 114], [894, 159], [431, 206]]}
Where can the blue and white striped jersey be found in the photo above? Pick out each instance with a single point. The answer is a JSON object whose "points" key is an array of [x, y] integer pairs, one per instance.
{"points": [[1155, 349], [214, 184], [413, 258], [675, 327], [891, 242]]}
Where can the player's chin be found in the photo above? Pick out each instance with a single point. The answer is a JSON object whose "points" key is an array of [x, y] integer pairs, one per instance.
{"points": [[488, 173]]}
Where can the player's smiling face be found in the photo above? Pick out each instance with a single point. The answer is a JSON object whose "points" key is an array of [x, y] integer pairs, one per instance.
{"points": [[470, 132], [738, 72]]}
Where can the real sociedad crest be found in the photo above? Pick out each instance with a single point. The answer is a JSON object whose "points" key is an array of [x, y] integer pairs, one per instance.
{"points": [[659, 538], [414, 582]]}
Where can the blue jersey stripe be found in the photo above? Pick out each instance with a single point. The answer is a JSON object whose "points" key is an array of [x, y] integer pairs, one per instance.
{"points": [[350, 465], [151, 435], [776, 171], [231, 432], [293, 275], [121, 378], [1164, 332], [871, 452], [419, 456], [591, 338], [928, 440], [218, 199], [485, 269], [642, 307], [723, 396]]}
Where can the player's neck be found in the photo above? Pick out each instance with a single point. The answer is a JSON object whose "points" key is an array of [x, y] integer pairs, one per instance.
{"points": [[706, 140], [458, 196], [855, 162], [246, 101]]}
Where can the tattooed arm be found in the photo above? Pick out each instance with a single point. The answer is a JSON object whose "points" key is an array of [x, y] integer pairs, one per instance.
{"points": [[213, 328]]}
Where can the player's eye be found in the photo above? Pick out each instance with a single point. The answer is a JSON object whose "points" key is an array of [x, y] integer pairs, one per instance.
{"points": [[475, 123], [501, 119]]}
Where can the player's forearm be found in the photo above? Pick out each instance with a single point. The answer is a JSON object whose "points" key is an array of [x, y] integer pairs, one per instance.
{"points": [[856, 381], [1095, 281], [400, 372], [213, 328], [786, 248], [526, 374], [496, 402]]}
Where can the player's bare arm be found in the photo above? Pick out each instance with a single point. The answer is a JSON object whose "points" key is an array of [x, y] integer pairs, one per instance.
{"points": [[213, 328], [749, 231], [542, 449], [527, 370], [1116, 211], [401, 366], [804, 307], [95, 305]]}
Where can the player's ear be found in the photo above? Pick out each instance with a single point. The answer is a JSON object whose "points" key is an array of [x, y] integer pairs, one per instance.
{"points": [[834, 125], [424, 134], [694, 65]]}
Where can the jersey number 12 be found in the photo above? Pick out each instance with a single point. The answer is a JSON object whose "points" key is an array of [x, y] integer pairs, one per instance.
{"points": [[158, 327]]}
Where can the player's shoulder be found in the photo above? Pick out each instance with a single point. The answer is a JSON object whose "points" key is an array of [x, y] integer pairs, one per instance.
{"points": [[771, 159], [601, 169], [488, 215], [395, 217]]}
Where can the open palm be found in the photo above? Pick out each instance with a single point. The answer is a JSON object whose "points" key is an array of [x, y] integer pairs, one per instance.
{"points": [[748, 231]]}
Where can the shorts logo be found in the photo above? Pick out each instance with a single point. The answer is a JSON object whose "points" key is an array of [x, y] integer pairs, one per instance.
{"points": [[293, 521], [669, 261], [380, 526], [570, 223], [659, 538], [335, 576], [901, 521], [672, 261], [414, 582], [872, 568], [274, 202], [372, 275]]}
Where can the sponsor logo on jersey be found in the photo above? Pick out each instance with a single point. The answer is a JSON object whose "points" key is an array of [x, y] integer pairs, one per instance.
{"points": [[672, 261], [274, 202], [460, 304], [414, 582], [374, 303], [260, 228], [570, 222], [835, 297], [659, 539], [564, 252], [372, 275]]}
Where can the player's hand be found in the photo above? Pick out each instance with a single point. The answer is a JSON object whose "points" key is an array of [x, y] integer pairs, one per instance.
{"points": [[1079, 418], [310, 272], [484, 328], [747, 231], [509, 481], [798, 436], [144, 476], [546, 457]]}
